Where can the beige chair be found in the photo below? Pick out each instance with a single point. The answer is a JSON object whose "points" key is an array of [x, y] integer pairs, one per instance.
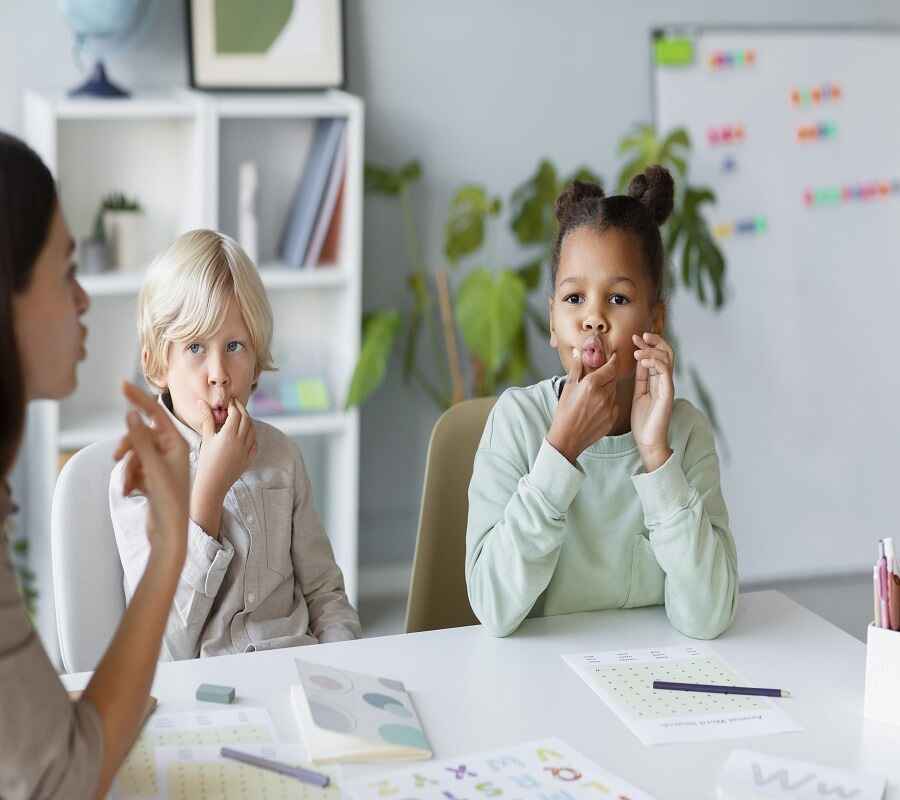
{"points": [[437, 591]]}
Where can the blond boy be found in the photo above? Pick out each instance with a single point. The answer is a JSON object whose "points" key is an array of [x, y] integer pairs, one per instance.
{"points": [[260, 572]]}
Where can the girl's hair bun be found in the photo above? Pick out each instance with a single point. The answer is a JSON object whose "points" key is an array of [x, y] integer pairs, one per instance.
{"points": [[655, 190], [573, 196]]}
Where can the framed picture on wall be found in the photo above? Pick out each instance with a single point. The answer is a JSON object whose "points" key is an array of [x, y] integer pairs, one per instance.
{"points": [[276, 44]]}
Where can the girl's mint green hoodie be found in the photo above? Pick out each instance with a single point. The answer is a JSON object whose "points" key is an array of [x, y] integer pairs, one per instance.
{"points": [[545, 537]]}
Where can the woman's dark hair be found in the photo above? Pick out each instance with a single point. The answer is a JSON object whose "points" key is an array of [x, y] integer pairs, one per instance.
{"points": [[27, 203], [646, 206]]}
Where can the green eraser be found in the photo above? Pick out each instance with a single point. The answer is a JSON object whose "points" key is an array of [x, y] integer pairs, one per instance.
{"points": [[211, 693], [672, 51]]}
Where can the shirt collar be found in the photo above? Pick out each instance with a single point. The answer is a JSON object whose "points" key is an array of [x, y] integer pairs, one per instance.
{"points": [[191, 436]]}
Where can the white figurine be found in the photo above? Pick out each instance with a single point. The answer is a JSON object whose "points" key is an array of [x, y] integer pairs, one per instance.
{"points": [[248, 182]]}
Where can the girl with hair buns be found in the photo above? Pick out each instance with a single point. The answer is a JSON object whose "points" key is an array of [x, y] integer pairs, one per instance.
{"points": [[598, 489]]}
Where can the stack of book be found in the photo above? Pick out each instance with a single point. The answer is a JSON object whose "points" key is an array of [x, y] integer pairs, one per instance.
{"points": [[312, 228]]}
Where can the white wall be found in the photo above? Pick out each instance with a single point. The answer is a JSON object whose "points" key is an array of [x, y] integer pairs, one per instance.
{"points": [[479, 91]]}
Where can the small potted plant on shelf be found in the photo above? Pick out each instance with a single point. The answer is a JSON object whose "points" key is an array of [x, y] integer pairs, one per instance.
{"points": [[122, 219]]}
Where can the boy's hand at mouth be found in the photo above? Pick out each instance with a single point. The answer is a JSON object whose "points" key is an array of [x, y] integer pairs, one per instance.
{"points": [[224, 456]]}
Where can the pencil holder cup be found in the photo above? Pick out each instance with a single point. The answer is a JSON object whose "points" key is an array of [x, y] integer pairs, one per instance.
{"points": [[882, 675]]}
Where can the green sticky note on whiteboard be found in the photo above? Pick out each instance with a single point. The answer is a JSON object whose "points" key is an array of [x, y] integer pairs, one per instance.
{"points": [[673, 51]]}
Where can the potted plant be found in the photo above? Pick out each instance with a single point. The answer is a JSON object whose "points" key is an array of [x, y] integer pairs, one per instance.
{"points": [[122, 220]]}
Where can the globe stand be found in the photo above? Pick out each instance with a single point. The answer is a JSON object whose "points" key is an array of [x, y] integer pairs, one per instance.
{"points": [[98, 85]]}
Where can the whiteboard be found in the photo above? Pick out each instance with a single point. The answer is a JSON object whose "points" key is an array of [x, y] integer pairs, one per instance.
{"points": [[803, 363]]}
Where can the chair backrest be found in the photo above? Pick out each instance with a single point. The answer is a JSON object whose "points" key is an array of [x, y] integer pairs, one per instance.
{"points": [[437, 591], [87, 573]]}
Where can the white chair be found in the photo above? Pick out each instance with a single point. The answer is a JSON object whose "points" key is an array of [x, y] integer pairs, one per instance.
{"points": [[87, 573]]}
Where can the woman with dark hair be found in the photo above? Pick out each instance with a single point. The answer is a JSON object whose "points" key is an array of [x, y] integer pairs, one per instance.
{"points": [[50, 746]]}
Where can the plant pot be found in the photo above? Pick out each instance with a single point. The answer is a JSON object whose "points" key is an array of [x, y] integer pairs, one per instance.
{"points": [[124, 230]]}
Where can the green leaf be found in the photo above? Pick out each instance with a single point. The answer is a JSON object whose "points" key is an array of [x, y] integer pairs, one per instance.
{"points": [[390, 182], [533, 202], [489, 311], [464, 231], [20, 547], [417, 284], [702, 262], [378, 341], [644, 147]]}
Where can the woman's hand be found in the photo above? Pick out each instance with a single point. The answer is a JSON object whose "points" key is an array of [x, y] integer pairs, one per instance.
{"points": [[157, 467], [587, 409], [654, 393]]}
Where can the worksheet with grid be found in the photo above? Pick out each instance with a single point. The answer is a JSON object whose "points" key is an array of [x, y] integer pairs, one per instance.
{"points": [[139, 774], [186, 773], [624, 679]]}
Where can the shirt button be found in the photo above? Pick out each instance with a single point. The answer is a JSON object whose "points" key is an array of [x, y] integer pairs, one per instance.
{"points": [[250, 518], [193, 457], [251, 597]]}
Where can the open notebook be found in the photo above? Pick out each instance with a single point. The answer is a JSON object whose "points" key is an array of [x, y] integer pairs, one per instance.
{"points": [[350, 718]]}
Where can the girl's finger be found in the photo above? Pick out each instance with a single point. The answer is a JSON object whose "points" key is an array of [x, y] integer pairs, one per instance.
{"points": [[576, 369], [656, 366], [605, 374], [662, 355], [655, 340]]}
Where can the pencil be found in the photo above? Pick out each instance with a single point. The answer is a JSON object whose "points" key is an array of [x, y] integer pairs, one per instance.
{"points": [[719, 689], [304, 775]]}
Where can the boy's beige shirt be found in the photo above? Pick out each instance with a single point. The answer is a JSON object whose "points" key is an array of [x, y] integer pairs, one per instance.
{"points": [[270, 581]]}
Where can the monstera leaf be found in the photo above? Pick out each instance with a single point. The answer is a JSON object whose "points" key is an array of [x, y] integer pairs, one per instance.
{"points": [[702, 262]]}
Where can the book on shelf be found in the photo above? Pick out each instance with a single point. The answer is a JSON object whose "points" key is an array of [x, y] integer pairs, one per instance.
{"points": [[310, 193], [331, 246], [328, 209]]}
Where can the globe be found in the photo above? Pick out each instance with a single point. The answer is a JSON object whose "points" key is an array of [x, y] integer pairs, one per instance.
{"points": [[102, 27]]}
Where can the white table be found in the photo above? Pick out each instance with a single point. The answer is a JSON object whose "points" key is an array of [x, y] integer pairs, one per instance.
{"points": [[474, 692]]}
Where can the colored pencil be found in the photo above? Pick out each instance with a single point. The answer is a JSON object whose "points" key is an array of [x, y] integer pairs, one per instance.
{"points": [[719, 689]]}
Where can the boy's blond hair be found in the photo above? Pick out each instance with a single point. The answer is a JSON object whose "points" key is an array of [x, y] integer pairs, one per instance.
{"points": [[186, 293]]}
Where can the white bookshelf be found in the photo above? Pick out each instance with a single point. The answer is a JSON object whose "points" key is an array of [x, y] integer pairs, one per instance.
{"points": [[178, 152]]}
